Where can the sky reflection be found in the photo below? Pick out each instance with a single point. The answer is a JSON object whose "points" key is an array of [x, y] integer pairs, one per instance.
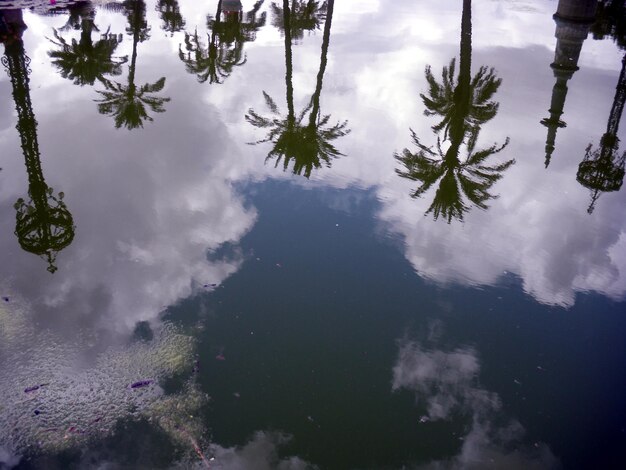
{"points": [[149, 146], [447, 382]]}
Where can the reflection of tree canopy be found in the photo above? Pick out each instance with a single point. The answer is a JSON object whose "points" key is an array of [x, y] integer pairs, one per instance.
{"points": [[464, 105], [602, 169], [306, 15], [169, 11], [83, 61], [135, 11], [76, 12], [471, 178], [129, 104], [610, 22], [223, 52], [236, 27], [306, 143], [443, 100]]}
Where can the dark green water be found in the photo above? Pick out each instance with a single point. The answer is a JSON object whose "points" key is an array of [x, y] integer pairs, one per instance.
{"points": [[334, 235]]}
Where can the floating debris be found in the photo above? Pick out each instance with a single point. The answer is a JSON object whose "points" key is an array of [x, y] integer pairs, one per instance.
{"points": [[141, 383], [236, 395], [220, 357], [33, 388], [517, 382]]}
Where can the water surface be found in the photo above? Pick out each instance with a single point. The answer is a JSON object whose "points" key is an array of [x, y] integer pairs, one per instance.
{"points": [[312, 234]]}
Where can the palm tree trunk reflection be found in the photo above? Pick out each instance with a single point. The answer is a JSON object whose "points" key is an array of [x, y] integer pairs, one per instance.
{"points": [[464, 104], [305, 143]]}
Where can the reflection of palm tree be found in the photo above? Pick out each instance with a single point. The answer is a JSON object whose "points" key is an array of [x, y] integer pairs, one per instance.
{"points": [[602, 169], [224, 49], [471, 177], [464, 105], [306, 143], [83, 61], [76, 13], [443, 100], [305, 15], [44, 225], [128, 103], [173, 21]]}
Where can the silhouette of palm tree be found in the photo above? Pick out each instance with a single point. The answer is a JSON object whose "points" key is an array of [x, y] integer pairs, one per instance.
{"points": [[464, 105], [83, 61], [129, 104], [444, 100], [305, 15], [305, 143], [224, 50], [471, 178]]}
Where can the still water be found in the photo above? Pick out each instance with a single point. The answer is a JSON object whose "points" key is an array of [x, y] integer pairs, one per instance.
{"points": [[312, 234]]}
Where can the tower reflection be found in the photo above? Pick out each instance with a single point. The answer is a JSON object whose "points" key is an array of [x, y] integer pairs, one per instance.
{"points": [[574, 19]]}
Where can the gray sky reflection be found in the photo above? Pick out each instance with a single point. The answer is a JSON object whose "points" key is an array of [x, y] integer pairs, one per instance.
{"points": [[169, 203], [146, 217], [538, 228], [150, 204]]}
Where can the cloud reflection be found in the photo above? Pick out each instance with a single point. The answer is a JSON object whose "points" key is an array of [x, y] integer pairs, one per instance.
{"points": [[260, 453], [56, 397], [446, 382], [148, 216]]}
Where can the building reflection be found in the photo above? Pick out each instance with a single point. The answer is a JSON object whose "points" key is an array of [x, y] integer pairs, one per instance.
{"points": [[230, 30], [602, 169], [464, 104], [574, 19], [304, 140], [44, 225]]}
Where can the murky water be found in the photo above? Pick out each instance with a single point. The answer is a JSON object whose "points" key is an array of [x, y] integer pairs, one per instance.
{"points": [[312, 234]]}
